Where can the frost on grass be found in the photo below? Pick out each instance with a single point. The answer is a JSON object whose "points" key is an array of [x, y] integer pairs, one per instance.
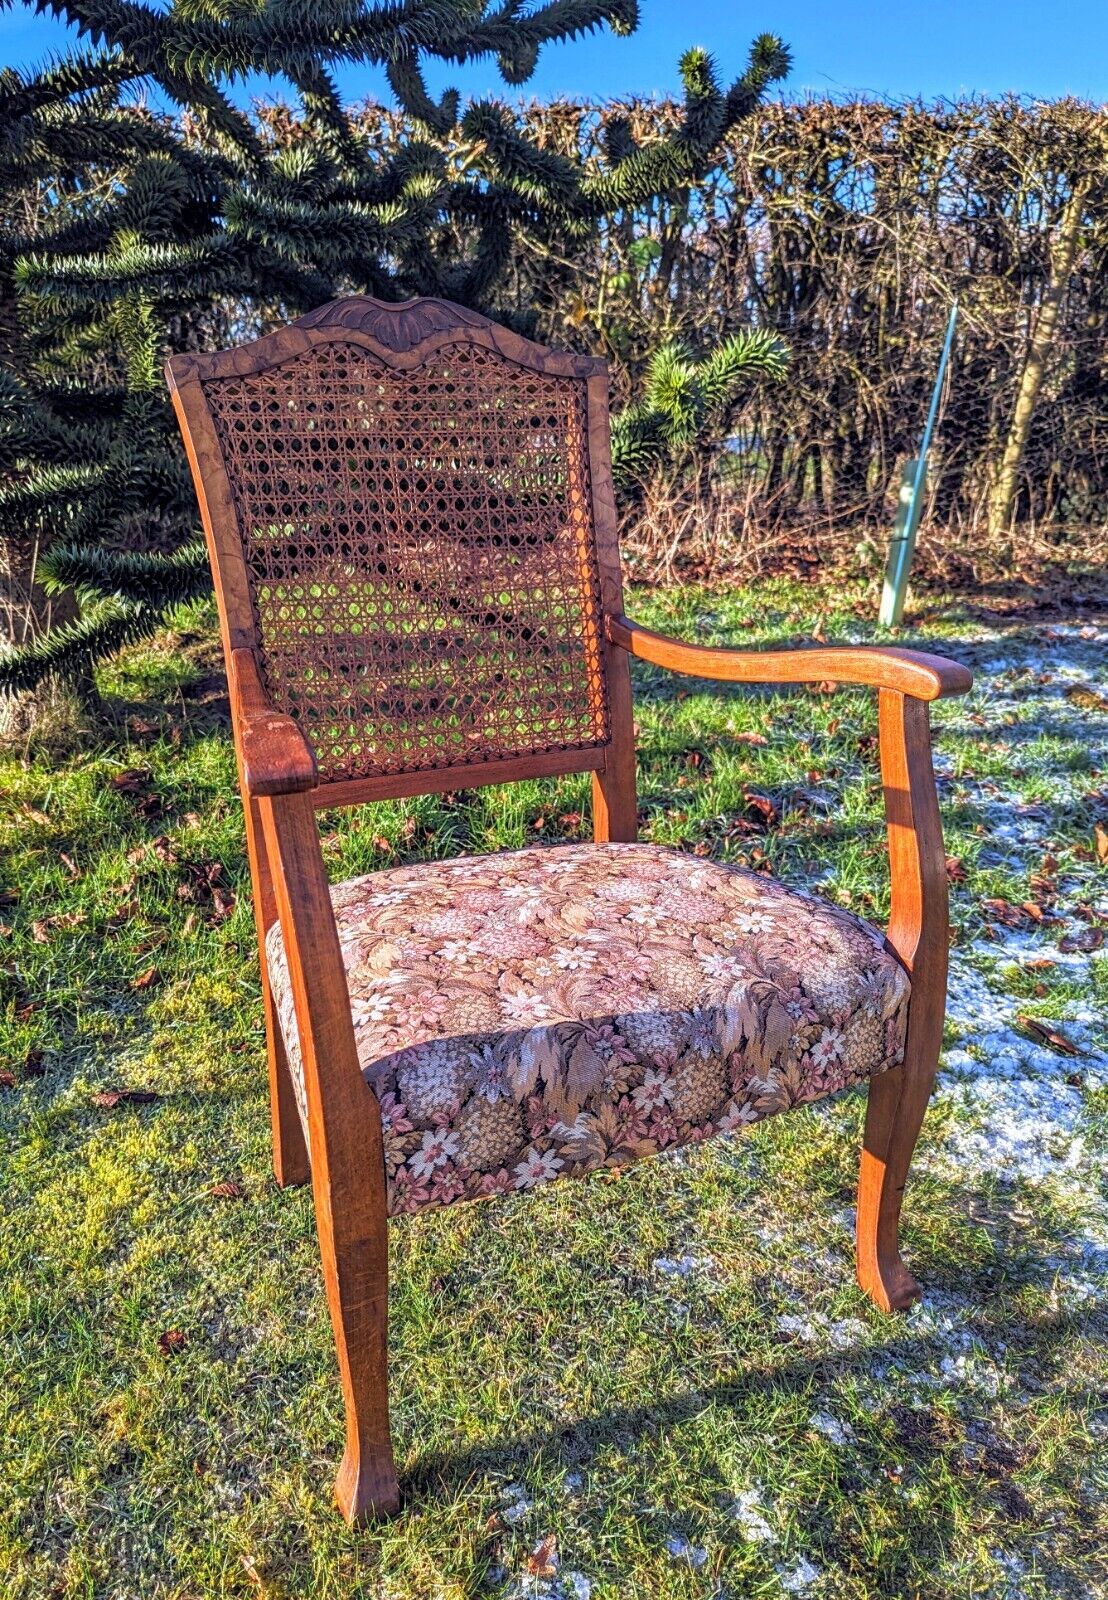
{"points": [[749, 1511], [839, 1433], [1019, 1106], [819, 1329], [680, 1549], [798, 1579]]}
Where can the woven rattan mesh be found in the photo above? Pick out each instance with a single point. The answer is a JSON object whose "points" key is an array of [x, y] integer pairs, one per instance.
{"points": [[420, 553]]}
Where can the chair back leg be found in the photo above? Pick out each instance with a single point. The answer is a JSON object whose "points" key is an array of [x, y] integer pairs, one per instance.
{"points": [[291, 1165]]}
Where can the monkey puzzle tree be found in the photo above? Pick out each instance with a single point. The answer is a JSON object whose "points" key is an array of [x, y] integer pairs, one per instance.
{"points": [[126, 233]]}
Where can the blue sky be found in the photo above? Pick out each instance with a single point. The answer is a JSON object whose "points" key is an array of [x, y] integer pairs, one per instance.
{"points": [[902, 47]]}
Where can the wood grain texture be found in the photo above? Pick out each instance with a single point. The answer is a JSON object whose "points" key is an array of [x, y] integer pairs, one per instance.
{"points": [[291, 1165], [615, 809], [276, 758], [401, 334], [913, 672], [475, 775], [919, 933], [347, 1157]]}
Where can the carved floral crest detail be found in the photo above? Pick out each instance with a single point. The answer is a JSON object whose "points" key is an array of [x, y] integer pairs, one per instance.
{"points": [[397, 327]]}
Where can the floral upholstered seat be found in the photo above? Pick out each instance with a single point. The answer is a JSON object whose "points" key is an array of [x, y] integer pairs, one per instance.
{"points": [[543, 1012]]}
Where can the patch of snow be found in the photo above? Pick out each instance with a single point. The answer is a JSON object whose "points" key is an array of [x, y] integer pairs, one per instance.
{"points": [[839, 1433], [1015, 1112], [566, 1586], [1014, 1570], [819, 1329], [681, 1550], [682, 1266], [799, 1578], [749, 1511], [516, 1502]]}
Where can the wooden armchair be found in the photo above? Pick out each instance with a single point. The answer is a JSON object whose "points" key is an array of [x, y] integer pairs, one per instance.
{"points": [[412, 532]]}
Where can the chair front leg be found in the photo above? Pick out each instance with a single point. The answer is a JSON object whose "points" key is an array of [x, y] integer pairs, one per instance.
{"points": [[919, 933], [348, 1173]]}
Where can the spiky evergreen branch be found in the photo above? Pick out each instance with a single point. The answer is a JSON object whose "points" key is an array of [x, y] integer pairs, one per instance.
{"points": [[686, 401], [154, 234]]}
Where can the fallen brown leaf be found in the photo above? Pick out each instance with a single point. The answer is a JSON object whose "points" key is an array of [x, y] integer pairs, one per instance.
{"points": [[543, 1560], [146, 979], [1101, 834], [761, 808], [1086, 696], [1004, 911], [229, 1189], [1047, 1033], [108, 1099], [955, 869], [1087, 939], [132, 781], [750, 738], [7, 1079], [171, 1341]]}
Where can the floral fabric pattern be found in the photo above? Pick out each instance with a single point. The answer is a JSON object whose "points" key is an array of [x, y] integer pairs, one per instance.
{"points": [[542, 1012]]}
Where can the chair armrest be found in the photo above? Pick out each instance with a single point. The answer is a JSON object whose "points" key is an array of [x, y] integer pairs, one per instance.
{"points": [[911, 672], [276, 757]]}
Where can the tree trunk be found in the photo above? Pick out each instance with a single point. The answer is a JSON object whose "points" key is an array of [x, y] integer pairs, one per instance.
{"points": [[1062, 257]]}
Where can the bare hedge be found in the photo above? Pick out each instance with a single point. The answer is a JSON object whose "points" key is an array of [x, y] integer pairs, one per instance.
{"points": [[850, 228]]}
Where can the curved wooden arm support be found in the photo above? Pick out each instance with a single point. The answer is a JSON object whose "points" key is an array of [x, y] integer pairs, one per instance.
{"points": [[347, 1157], [918, 928], [911, 672], [276, 757], [919, 933]]}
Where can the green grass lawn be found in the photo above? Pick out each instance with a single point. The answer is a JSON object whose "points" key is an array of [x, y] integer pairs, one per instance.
{"points": [[670, 1372]]}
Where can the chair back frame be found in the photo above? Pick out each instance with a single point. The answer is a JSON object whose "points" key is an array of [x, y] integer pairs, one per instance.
{"points": [[402, 337]]}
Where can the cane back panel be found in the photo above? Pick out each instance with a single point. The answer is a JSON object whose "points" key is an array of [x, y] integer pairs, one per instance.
{"points": [[420, 554]]}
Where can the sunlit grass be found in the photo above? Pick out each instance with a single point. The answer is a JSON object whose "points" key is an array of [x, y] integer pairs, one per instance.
{"points": [[616, 1362]]}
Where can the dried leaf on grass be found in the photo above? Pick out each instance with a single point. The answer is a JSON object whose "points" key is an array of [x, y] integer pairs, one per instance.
{"points": [[229, 1189], [108, 1099], [1047, 1033], [543, 1560]]}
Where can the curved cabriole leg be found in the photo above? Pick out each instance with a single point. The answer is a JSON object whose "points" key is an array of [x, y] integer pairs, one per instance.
{"points": [[356, 1273], [348, 1169], [919, 934], [890, 1137]]}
